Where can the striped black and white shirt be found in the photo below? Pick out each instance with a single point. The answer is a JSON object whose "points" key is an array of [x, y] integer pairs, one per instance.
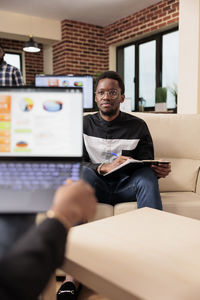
{"points": [[125, 135], [10, 75]]}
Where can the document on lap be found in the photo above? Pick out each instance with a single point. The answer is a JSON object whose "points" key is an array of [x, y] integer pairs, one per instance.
{"points": [[134, 163]]}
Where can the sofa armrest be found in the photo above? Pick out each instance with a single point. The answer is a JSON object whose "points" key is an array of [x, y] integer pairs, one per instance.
{"points": [[198, 183]]}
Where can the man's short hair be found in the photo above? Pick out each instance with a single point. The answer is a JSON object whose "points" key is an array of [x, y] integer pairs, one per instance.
{"points": [[111, 75]]}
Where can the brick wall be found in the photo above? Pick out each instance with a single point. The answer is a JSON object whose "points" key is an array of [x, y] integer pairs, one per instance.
{"points": [[33, 61], [150, 19], [34, 65], [83, 49]]}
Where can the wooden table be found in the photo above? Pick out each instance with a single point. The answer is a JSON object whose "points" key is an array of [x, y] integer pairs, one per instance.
{"points": [[143, 254]]}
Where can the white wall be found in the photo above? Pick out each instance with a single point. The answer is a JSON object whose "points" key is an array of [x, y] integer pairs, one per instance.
{"points": [[48, 59], [20, 26], [112, 58], [189, 57]]}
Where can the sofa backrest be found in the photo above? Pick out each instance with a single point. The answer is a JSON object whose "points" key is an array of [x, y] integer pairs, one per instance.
{"points": [[176, 138]]}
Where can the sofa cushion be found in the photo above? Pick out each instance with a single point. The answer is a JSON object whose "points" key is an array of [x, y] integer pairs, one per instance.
{"points": [[124, 207], [182, 203], [182, 177], [103, 211]]}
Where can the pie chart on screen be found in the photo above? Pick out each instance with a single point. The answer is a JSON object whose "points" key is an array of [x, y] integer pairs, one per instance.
{"points": [[52, 105], [78, 83], [65, 83], [21, 144], [26, 104]]}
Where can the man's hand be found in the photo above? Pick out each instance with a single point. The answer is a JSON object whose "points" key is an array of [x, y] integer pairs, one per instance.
{"points": [[76, 202], [110, 166], [162, 170]]}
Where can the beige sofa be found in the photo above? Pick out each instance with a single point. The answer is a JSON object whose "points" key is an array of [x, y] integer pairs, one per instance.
{"points": [[176, 138]]}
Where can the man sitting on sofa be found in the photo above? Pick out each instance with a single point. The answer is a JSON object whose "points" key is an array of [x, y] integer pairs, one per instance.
{"points": [[110, 138]]}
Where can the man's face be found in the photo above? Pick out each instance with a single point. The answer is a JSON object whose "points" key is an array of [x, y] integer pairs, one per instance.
{"points": [[108, 97], [1, 53]]}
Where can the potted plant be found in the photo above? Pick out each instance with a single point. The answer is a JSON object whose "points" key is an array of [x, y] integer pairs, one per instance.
{"points": [[174, 91], [161, 99], [141, 104]]}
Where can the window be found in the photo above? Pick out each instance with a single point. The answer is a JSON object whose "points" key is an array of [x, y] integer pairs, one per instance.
{"points": [[147, 71], [14, 59], [170, 66], [129, 73], [147, 64]]}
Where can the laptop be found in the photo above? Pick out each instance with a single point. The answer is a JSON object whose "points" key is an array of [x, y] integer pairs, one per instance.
{"points": [[40, 144]]}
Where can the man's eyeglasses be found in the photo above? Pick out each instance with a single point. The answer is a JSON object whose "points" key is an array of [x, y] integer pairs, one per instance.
{"points": [[113, 94]]}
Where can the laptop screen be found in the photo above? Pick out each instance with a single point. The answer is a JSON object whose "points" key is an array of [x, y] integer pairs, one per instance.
{"points": [[41, 122]]}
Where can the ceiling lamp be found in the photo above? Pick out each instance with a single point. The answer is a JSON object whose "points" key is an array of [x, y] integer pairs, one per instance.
{"points": [[31, 45]]}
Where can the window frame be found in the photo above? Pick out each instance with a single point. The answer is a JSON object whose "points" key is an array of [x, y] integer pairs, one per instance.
{"points": [[20, 55], [120, 60]]}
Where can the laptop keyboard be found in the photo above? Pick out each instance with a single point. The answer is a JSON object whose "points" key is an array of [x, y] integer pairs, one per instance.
{"points": [[34, 176]]}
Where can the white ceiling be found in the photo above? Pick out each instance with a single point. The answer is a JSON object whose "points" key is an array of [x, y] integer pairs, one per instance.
{"points": [[97, 12]]}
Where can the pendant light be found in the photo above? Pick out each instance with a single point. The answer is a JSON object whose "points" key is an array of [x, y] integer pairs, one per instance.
{"points": [[31, 45]]}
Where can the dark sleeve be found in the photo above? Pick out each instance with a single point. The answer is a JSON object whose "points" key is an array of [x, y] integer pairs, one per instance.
{"points": [[26, 269], [144, 149]]}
